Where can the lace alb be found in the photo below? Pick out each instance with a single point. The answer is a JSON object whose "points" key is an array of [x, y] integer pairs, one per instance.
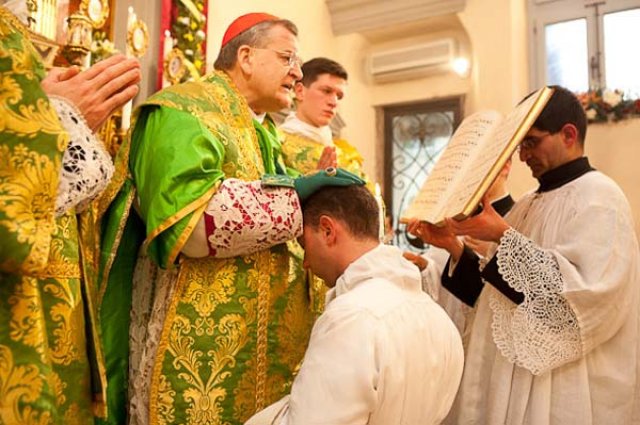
{"points": [[86, 165], [246, 217], [542, 332]]}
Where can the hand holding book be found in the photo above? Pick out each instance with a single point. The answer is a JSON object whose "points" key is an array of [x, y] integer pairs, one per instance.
{"points": [[478, 150]]}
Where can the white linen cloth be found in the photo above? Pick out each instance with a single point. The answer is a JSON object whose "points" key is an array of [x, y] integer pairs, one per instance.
{"points": [[569, 353], [294, 125], [383, 352], [459, 313]]}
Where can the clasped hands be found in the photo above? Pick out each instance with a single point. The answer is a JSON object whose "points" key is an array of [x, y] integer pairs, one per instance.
{"points": [[487, 226], [98, 91]]}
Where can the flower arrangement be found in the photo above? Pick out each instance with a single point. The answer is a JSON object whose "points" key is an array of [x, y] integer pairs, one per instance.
{"points": [[608, 105], [101, 47], [189, 28]]}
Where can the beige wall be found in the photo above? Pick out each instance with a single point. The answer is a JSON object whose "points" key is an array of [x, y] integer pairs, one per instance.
{"points": [[493, 32], [614, 149]]}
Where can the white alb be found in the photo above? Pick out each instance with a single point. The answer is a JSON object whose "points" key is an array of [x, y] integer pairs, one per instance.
{"points": [[383, 352], [569, 353]]}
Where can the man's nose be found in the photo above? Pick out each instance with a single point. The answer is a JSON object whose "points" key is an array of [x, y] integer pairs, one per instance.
{"points": [[296, 71]]}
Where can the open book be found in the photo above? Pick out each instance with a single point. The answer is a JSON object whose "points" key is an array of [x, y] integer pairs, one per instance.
{"points": [[478, 150]]}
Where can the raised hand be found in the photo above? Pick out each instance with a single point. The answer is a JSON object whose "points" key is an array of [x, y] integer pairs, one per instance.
{"points": [[98, 91], [328, 158]]}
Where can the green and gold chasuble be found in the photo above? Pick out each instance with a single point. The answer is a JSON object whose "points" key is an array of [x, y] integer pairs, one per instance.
{"points": [[50, 363], [303, 154], [232, 330]]}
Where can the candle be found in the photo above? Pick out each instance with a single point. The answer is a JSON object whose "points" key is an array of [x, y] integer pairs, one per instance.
{"points": [[130, 17], [380, 203], [167, 47], [125, 122], [168, 44]]}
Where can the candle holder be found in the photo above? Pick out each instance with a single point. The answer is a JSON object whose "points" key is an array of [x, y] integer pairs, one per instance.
{"points": [[138, 38], [79, 38], [175, 66], [96, 10], [112, 134]]}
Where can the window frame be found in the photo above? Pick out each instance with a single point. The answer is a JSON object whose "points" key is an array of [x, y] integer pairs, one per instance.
{"points": [[546, 12]]}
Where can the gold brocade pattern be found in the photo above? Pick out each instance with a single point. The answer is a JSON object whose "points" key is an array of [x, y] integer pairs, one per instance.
{"points": [[19, 384], [23, 173], [205, 296], [229, 126], [261, 274], [204, 288], [44, 365], [223, 310]]}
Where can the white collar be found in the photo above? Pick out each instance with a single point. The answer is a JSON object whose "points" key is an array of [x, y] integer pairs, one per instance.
{"points": [[258, 117], [293, 124], [384, 261]]}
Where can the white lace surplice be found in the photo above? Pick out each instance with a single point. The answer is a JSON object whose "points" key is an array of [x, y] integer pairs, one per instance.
{"points": [[245, 217], [86, 165], [574, 339]]}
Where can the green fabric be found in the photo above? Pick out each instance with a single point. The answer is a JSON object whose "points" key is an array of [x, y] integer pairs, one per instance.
{"points": [[30, 154], [116, 303], [277, 180], [171, 149], [307, 185], [242, 323], [46, 335]]}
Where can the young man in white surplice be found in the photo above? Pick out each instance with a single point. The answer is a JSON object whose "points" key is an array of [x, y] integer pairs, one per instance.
{"points": [[383, 352]]}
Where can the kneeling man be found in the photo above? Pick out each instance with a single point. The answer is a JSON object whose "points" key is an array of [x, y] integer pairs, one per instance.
{"points": [[383, 352]]}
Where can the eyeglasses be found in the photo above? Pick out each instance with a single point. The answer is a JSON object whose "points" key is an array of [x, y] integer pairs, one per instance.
{"points": [[531, 142], [291, 58]]}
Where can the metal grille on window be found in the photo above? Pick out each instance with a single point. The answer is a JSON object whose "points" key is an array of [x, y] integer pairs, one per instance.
{"points": [[417, 140]]}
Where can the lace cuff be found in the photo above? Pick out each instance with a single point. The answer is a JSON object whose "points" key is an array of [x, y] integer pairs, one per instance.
{"points": [[246, 217], [86, 165], [541, 333]]}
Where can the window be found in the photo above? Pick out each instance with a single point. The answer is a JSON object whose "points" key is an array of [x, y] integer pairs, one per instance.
{"points": [[582, 44], [415, 137]]}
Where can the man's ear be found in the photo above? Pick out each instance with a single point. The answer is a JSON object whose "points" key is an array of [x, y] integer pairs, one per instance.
{"points": [[569, 135], [244, 59], [299, 90], [328, 229]]}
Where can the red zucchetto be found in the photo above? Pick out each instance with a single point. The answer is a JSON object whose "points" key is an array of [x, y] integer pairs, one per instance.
{"points": [[243, 23]]}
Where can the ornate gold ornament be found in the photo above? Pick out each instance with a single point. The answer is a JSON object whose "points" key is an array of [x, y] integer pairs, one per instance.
{"points": [[96, 10], [175, 66], [138, 38], [79, 38]]}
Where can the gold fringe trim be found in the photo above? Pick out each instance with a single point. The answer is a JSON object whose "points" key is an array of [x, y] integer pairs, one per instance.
{"points": [[59, 271], [204, 199], [264, 299], [187, 231]]}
